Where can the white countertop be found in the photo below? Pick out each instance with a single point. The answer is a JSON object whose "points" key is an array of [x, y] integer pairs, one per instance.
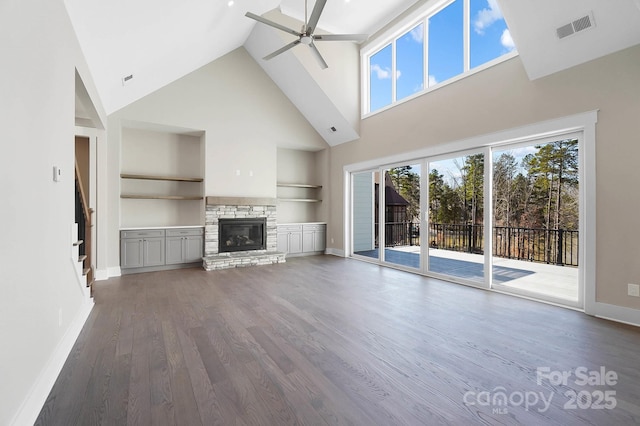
{"points": [[302, 223], [140, 228]]}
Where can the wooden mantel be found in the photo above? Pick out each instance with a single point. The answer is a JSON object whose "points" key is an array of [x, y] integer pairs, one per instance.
{"points": [[241, 201]]}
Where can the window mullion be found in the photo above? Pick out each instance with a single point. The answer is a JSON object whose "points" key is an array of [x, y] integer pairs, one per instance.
{"points": [[394, 71], [466, 26], [365, 98], [425, 49]]}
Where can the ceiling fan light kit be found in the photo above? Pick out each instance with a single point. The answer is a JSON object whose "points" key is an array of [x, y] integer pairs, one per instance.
{"points": [[306, 35]]}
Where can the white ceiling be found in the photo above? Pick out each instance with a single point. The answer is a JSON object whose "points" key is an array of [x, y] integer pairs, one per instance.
{"points": [[533, 27], [159, 41]]}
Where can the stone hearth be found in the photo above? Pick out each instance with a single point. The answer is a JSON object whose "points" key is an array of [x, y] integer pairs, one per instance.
{"points": [[235, 208]]}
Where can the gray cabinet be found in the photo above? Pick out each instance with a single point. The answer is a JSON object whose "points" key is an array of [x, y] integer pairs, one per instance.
{"points": [[289, 239], [144, 250], [141, 248], [303, 238], [153, 251], [131, 253], [184, 245], [313, 238]]}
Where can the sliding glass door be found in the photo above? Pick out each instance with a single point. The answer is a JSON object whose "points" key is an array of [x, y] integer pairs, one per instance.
{"points": [[505, 217], [456, 217], [364, 214], [386, 215], [536, 219], [399, 214]]}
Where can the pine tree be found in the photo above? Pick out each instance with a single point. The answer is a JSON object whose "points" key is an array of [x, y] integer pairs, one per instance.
{"points": [[407, 183]]}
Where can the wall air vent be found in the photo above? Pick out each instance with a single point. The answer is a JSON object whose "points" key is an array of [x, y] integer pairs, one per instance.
{"points": [[565, 31], [575, 26], [126, 79]]}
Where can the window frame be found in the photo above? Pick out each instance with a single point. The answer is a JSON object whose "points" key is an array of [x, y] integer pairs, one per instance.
{"points": [[395, 32]]}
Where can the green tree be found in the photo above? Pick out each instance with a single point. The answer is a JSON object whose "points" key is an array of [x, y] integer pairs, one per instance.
{"points": [[472, 173], [407, 183], [554, 173], [504, 200]]}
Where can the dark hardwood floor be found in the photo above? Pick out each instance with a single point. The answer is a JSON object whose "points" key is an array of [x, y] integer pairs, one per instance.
{"points": [[329, 341]]}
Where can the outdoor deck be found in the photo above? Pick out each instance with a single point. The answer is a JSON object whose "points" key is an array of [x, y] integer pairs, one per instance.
{"points": [[560, 282]]}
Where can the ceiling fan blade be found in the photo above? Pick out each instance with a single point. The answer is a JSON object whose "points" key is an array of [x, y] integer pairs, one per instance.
{"points": [[340, 37], [315, 15], [272, 24], [318, 56], [281, 50]]}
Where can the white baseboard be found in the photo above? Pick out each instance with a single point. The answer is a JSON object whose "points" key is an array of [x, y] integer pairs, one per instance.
{"points": [[618, 313], [335, 252], [105, 274], [101, 274], [114, 271], [32, 405]]}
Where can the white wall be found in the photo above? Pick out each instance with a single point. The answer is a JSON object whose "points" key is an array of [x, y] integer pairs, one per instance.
{"points": [[244, 117], [502, 97], [42, 305]]}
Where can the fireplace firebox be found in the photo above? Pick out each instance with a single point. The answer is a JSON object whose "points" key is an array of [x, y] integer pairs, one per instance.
{"points": [[241, 234]]}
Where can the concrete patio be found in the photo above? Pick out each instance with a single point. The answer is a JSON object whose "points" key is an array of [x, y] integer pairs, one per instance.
{"points": [[559, 282]]}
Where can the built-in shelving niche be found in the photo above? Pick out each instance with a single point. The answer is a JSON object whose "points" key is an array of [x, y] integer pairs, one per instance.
{"points": [[301, 186], [161, 179]]}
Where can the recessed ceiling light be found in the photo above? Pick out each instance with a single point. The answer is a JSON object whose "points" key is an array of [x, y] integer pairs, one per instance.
{"points": [[230, 3]]}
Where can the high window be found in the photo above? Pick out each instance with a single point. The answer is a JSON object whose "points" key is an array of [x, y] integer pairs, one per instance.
{"points": [[448, 40]]}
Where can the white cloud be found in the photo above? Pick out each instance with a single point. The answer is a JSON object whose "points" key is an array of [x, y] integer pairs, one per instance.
{"points": [[486, 17], [507, 40], [417, 34], [381, 73], [398, 74], [432, 80]]}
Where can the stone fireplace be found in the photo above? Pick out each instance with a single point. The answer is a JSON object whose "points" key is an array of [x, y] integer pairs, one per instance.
{"points": [[232, 228]]}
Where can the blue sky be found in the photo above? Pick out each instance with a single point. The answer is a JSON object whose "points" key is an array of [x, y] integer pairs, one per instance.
{"points": [[489, 38]]}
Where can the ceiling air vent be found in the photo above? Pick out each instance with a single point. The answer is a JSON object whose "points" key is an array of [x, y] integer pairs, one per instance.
{"points": [[577, 25]]}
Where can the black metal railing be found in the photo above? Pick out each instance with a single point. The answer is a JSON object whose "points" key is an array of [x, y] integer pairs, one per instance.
{"points": [[552, 246], [457, 237], [400, 234]]}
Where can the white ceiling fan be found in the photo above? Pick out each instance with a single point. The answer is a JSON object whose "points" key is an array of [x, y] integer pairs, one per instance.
{"points": [[306, 35]]}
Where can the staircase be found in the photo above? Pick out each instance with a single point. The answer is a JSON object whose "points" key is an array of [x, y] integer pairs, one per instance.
{"points": [[81, 236], [84, 270]]}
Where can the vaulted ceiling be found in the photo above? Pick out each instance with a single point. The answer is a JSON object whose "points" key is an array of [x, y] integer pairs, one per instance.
{"points": [[159, 41]]}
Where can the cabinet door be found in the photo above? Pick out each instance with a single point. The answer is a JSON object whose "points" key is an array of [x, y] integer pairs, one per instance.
{"points": [[308, 241], [174, 251], [193, 248], [131, 253], [283, 242], [153, 251], [319, 240], [295, 242]]}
